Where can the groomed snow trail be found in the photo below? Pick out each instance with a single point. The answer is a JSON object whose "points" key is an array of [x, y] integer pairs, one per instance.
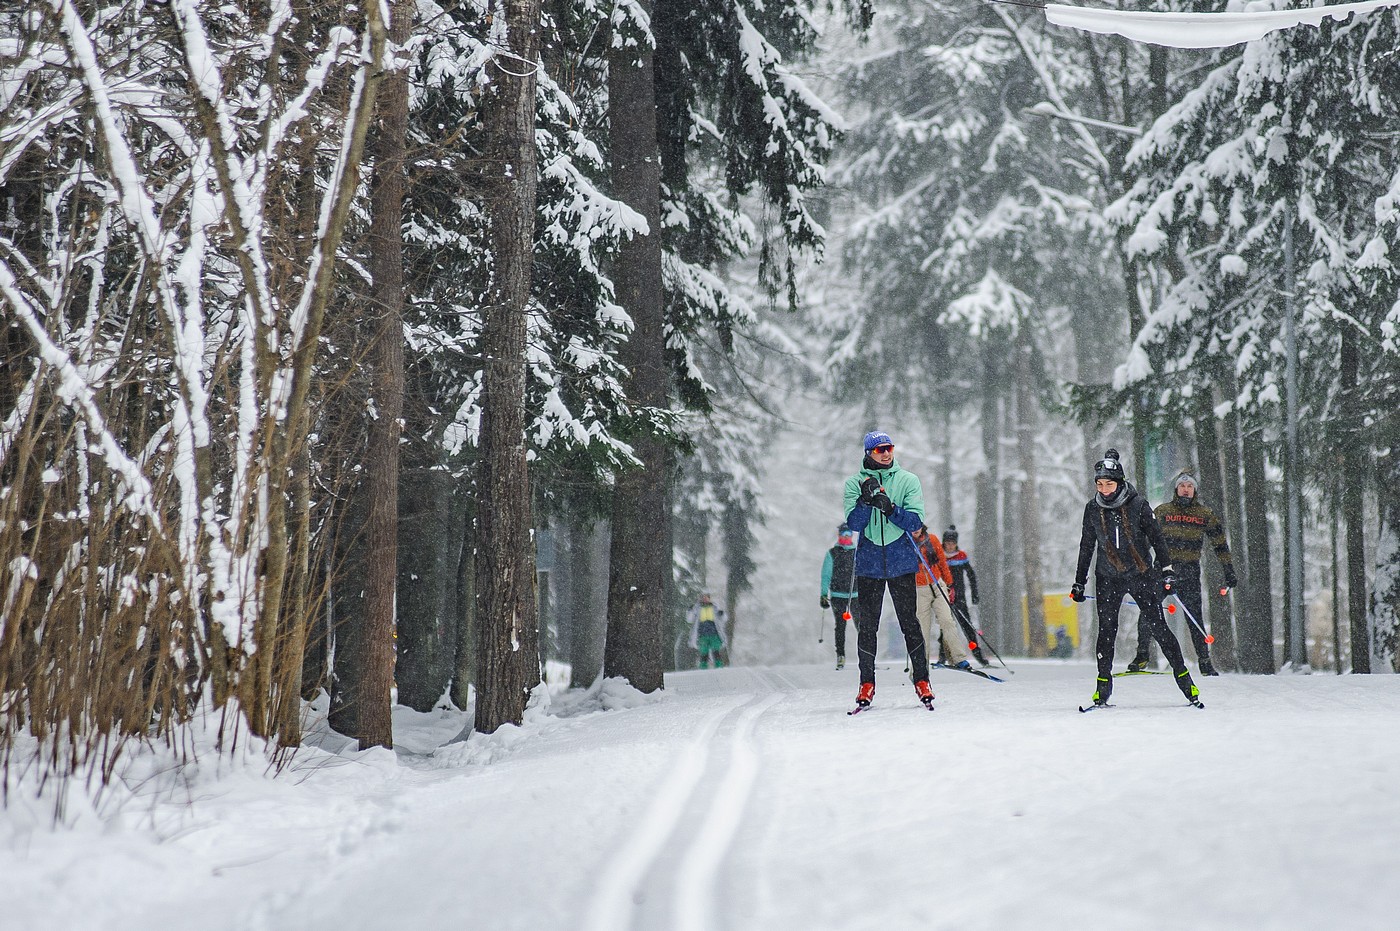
{"points": [[747, 799], [697, 817]]}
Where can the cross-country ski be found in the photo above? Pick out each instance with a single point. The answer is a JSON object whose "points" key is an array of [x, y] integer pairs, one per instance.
{"points": [[970, 671]]}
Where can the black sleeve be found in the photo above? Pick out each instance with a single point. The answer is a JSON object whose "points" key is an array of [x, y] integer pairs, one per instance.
{"points": [[1216, 531], [971, 580], [1086, 545], [1153, 531]]}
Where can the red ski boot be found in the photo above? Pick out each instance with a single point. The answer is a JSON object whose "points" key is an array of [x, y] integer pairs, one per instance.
{"points": [[863, 697], [925, 693]]}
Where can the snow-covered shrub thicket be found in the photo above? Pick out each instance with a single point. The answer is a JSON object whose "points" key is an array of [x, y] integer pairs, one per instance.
{"points": [[175, 205], [179, 183]]}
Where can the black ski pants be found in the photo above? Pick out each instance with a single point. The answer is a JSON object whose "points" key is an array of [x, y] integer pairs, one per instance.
{"points": [[1108, 593], [1188, 590], [839, 607], [871, 600]]}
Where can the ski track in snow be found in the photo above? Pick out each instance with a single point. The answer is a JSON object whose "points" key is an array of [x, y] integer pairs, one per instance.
{"points": [[620, 884], [648, 873], [699, 873]]}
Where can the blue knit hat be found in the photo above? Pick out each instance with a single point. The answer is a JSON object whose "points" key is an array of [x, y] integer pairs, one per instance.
{"points": [[877, 438]]}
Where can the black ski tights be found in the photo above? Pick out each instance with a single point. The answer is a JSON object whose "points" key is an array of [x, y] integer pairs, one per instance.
{"points": [[1109, 593], [839, 607], [1188, 591], [871, 593]]}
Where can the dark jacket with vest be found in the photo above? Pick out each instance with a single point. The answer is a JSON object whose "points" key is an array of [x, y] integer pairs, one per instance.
{"points": [[839, 572], [1123, 536]]}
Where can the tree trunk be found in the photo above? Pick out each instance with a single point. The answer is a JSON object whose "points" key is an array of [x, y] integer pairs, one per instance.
{"points": [[639, 575], [346, 649], [464, 613], [1136, 316], [1354, 518], [987, 554], [945, 475], [1385, 597], [738, 564], [384, 242], [1222, 621], [1026, 407], [1257, 631], [1230, 459], [1335, 553], [508, 664], [588, 601], [429, 552]]}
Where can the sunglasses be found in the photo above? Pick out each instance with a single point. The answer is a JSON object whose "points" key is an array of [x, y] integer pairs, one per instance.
{"points": [[887, 448]]}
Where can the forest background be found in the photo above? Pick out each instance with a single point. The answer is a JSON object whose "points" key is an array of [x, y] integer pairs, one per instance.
{"points": [[404, 351]]}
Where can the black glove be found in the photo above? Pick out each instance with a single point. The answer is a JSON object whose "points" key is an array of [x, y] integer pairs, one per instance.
{"points": [[1230, 580], [826, 602], [974, 599], [1168, 580], [882, 503], [868, 488], [1076, 592]]}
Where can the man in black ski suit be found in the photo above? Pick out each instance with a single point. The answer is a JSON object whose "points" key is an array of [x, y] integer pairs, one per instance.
{"points": [[1119, 526]]}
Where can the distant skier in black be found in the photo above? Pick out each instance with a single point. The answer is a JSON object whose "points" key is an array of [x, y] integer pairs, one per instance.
{"points": [[1186, 522], [1118, 530], [964, 589], [839, 586]]}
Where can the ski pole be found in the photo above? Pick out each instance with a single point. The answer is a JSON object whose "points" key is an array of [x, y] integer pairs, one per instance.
{"points": [[988, 645], [821, 625], [971, 646], [1171, 609]]}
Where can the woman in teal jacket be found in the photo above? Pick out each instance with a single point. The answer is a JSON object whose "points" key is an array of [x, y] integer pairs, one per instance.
{"points": [[884, 504]]}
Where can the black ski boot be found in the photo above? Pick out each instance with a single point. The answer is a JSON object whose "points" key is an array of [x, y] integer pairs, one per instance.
{"points": [[1139, 664], [1104, 688], [1188, 688]]}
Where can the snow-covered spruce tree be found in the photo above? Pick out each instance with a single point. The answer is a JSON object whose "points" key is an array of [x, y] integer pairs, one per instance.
{"points": [[1293, 129], [574, 397], [163, 305], [731, 120]]}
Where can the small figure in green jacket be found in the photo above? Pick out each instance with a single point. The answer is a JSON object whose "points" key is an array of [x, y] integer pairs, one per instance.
{"points": [[707, 631]]}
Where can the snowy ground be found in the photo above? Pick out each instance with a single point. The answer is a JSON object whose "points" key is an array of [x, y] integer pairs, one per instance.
{"points": [[747, 798]]}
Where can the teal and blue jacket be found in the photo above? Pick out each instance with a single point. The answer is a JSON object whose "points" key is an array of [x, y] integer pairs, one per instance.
{"points": [[886, 550]]}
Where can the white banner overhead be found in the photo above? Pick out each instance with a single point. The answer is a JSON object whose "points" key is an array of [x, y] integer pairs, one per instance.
{"points": [[1200, 30]]}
